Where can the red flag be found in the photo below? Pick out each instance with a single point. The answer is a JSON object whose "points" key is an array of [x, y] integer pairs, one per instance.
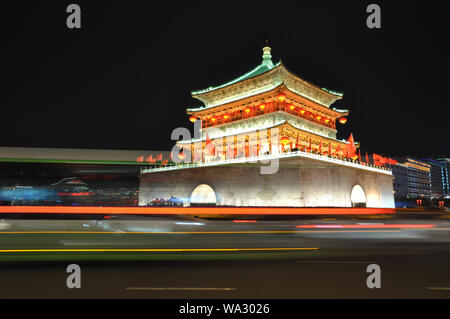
{"points": [[329, 148], [297, 143], [338, 149], [351, 146], [359, 155], [379, 160], [140, 159], [149, 159], [159, 157], [367, 158], [376, 159], [164, 163]]}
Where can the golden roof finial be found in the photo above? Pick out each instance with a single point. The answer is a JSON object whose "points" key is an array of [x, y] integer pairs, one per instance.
{"points": [[266, 52]]}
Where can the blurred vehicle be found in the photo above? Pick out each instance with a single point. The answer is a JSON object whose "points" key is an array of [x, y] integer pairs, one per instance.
{"points": [[4, 224], [172, 201]]}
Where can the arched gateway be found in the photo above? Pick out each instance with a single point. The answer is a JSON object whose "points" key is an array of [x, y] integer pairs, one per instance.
{"points": [[203, 195], [358, 197]]}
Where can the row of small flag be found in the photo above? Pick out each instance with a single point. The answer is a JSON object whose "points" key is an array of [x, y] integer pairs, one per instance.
{"points": [[349, 151], [152, 160]]}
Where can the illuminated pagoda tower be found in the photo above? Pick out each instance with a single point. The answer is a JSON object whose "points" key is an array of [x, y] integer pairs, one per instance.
{"points": [[273, 99], [268, 114]]}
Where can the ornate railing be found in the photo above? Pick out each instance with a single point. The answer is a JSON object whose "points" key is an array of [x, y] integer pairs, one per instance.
{"points": [[268, 157]]}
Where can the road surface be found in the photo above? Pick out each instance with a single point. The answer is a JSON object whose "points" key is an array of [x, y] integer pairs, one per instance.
{"points": [[127, 257]]}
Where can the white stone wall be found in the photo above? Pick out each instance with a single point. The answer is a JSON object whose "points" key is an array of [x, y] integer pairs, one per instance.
{"points": [[298, 182]]}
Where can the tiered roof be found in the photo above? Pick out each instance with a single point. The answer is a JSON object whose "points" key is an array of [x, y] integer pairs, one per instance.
{"points": [[263, 78]]}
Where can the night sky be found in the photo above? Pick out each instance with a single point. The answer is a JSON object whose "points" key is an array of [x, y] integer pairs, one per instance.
{"points": [[123, 80]]}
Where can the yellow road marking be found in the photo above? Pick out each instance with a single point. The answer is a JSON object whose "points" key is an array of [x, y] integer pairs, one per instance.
{"points": [[153, 250]]}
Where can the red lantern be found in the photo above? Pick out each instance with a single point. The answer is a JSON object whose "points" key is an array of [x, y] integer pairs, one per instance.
{"points": [[247, 110], [302, 111], [262, 106], [327, 120], [226, 117], [284, 140], [318, 117], [342, 120], [193, 118], [281, 97], [213, 119], [292, 107]]}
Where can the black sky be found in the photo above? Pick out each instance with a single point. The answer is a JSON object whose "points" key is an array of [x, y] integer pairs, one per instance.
{"points": [[124, 80]]}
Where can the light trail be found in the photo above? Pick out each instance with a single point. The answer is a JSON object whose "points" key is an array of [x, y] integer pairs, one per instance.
{"points": [[202, 232], [245, 221], [153, 250], [193, 210], [417, 226]]}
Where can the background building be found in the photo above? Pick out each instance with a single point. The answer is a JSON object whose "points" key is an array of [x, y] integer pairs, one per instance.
{"points": [[418, 178], [400, 173], [420, 182], [437, 173], [445, 183]]}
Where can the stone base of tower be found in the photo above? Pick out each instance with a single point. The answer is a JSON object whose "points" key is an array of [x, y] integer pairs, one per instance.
{"points": [[299, 182]]}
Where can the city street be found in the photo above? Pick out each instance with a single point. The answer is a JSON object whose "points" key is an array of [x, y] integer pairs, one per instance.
{"points": [[138, 257]]}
